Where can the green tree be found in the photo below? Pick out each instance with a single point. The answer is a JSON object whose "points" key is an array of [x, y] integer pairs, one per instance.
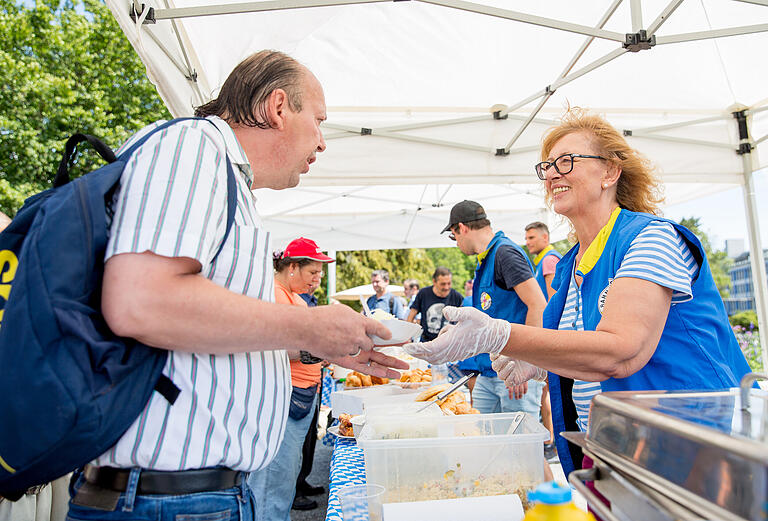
{"points": [[719, 262], [462, 266], [354, 267], [64, 68], [563, 246]]}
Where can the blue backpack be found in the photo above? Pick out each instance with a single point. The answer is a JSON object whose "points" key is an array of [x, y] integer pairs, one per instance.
{"points": [[70, 387]]}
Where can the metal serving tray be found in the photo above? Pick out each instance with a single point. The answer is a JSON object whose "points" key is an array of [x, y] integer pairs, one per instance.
{"points": [[702, 449]]}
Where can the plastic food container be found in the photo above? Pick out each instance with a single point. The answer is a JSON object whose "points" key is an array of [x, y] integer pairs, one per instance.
{"points": [[429, 458], [393, 410], [353, 401]]}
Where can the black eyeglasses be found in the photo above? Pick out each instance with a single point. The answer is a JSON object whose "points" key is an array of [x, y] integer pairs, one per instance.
{"points": [[452, 235], [563, 164]]}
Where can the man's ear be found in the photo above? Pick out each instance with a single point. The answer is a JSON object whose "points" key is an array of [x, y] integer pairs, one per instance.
{"points": [[277, 107]]}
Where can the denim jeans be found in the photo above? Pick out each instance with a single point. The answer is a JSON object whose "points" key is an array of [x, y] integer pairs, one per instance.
{"points": [[275, 486], [490, 395], [232, 504]]}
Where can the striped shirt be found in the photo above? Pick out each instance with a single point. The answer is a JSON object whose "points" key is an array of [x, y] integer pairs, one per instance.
{"points": [[658, 254], [232, 409]]}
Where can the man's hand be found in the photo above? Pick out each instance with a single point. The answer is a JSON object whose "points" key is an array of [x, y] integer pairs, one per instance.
{"points": [[373, 363], [474, 333], [516, 372], [345, 339]]}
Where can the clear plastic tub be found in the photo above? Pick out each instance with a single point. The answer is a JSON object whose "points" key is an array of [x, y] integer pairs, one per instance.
{"points": [[354, 401], [420, 459]]}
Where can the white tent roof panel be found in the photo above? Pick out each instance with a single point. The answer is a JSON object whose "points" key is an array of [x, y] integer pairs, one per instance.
{"points": [[384, 64], [394, 64]]}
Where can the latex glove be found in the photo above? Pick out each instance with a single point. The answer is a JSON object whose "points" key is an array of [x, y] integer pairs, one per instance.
{"points": [[474, 333], [518, 391], [515, 372]]}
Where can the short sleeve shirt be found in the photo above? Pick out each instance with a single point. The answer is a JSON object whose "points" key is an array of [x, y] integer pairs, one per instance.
{"points": [[549, 265], [658, 254], [431, 308], [511, 268], [172, 201], [389, 303]]}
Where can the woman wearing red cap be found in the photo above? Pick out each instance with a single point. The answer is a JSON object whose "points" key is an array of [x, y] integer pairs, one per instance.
{"points": [[298, 269]]}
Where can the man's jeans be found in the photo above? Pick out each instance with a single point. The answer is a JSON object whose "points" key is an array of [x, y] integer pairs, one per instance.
{"points": [[232, 504], [275, 486], [490, 395]]}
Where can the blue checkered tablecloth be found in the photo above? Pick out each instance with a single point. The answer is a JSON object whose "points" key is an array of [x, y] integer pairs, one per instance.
{"points": [[454, 373], [347, 468], [329, 385]]}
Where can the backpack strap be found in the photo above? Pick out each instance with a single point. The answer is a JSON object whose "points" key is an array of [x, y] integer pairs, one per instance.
{"points": [[62, 174], [231, 181]]}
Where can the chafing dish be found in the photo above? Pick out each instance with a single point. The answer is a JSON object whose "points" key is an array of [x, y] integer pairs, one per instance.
{"points": [[683, 455]]}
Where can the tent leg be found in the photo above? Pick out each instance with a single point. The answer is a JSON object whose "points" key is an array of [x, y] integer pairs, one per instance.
{"points": [[749, 163], [332, 274]]}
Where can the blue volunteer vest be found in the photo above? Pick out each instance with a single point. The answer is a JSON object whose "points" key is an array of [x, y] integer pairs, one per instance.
{"points": [[493, 300], [539, 274], [697, 349]]}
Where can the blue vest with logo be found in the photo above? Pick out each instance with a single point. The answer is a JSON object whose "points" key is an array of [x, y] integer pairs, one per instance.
{"points": [[697, 349], [539, 274], [493, 300]]}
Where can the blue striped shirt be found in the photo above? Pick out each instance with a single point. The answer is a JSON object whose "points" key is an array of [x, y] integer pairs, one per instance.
{"points": [[658, 254], [172, 201]]}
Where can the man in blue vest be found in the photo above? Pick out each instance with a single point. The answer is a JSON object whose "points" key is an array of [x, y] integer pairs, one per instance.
{"points": [[545, 258], [545, 255], [504, 287]]}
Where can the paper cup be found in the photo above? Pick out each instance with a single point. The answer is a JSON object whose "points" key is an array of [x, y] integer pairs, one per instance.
{"points": [[361, 502]]}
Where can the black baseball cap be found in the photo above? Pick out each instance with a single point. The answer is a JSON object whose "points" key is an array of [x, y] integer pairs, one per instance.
{"points": [[464, 212]]}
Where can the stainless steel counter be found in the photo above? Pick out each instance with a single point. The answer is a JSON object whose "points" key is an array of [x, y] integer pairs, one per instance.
{"points": [[705, 451]]}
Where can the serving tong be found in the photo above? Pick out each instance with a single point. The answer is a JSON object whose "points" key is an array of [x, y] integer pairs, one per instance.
{"points": [[458, 383]]}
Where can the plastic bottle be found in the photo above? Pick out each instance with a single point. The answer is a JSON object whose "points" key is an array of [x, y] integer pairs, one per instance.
{"points": [[553, 503], [439, 373]]}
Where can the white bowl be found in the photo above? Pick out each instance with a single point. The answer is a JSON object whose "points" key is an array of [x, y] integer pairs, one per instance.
{"points": [[402, 331]]}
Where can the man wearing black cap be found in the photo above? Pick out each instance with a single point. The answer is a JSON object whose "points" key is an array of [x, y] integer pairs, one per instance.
{"points": [[504, 287]]}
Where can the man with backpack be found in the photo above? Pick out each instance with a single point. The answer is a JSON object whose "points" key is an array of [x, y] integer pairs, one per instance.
{"points": [[176, 278], [383, 299]]}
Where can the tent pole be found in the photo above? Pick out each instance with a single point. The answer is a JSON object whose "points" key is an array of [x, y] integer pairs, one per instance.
{"points": [[749, 163], [332, 273], [636, 11]]}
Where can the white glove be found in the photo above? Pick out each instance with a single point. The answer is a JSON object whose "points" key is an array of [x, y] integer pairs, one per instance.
{"points": [[515, 372], [474, 333]]}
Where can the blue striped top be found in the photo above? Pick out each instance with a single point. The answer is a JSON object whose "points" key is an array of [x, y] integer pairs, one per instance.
{"points": [[658, 254]]}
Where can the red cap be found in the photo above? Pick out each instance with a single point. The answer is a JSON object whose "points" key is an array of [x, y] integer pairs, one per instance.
{"points": [[302, 248]]}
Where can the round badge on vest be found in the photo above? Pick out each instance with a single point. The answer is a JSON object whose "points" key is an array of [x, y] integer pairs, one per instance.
{"points": [[485, 301]]}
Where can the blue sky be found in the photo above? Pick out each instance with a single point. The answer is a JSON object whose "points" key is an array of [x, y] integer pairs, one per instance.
{"points": [[722, 215]]}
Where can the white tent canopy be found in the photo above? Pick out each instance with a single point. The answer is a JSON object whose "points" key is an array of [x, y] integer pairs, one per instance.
{"points": [[434, 101]]}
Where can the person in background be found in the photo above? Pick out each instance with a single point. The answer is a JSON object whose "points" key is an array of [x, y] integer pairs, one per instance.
{"points": [[545, 262], [411, 288], [503, 287], [468, 292], [636, 306], [302, 499], [298, 269], [430, 301], [383, 299], [545, 256]]}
